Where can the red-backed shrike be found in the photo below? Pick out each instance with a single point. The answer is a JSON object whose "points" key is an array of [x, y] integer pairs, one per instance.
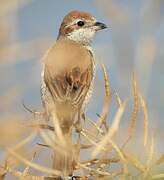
{"points": [[69, 69]]}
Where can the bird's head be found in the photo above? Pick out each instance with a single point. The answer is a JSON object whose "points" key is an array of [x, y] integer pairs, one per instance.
{"points": [[80, 27]]}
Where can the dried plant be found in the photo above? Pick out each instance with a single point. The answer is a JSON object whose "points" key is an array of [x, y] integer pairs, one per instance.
{"points": [[105, 151]]}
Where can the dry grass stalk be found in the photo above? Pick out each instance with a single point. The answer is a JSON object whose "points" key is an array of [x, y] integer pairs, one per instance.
{"points": [[102, 142], [21, 175], [135, 111], [25, 175], [145, 112], [39, 126], [100, 130], [135, 108], [122, 157], [115, 125], [107, 99], [47, 138], [119, 101], [158, 176], [160, 160], [89, 139], [24, 141], [151, 152], [91, 170], [26, 170], [100, 161], [33, 165], [135, 162], [150, 157]]}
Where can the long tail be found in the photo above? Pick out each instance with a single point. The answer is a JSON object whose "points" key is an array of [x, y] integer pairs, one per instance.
{"points": [[65, 156]]}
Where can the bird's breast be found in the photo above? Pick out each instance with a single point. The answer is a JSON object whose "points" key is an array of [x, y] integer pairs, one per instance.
{"points": [[68, 65]]}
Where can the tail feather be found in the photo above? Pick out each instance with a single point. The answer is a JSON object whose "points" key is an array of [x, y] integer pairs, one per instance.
{"points": [[65, 115], [65, 160]]}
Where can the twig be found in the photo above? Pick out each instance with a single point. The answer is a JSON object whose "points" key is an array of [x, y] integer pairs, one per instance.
{"points": [[33, 165], [42, 126], [145, 112], [107, 99], [134, 113], [35, 113], [111, 132], [91, 170], [100, 161]]}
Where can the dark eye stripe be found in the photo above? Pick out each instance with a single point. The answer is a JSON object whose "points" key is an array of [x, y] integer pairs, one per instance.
{"points": [[80, 23]]}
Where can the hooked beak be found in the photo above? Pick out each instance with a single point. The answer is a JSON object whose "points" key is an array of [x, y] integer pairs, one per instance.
{"points": [[99, 26]]}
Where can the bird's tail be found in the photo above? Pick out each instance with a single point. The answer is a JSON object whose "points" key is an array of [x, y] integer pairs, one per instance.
{"points": [[65, 156]]}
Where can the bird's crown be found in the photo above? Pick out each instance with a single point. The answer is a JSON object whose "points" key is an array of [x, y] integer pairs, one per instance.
{"points": [[79, 26]]}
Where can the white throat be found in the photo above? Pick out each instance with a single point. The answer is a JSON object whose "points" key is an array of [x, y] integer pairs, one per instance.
{"points": [[83, 36]]}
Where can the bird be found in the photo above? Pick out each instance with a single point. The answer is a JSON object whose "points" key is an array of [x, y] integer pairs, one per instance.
{"points": [[68, 73]]}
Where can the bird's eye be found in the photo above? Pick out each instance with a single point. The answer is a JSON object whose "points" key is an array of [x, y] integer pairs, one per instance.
{"points": [[80, 23]]}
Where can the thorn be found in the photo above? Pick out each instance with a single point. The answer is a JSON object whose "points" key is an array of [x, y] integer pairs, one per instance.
{"points": [[44, 145], [98, 115], [26, 108], [33, 111]]}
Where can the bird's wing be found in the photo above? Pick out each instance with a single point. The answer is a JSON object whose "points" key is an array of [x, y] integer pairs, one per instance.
{"points": [[68, 72]]}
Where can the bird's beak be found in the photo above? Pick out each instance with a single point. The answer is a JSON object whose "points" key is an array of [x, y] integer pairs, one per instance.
{"points": [[99, 26]]}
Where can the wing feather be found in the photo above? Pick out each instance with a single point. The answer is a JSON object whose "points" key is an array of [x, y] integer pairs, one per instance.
{"points": [[68, 72], [71, 87]]}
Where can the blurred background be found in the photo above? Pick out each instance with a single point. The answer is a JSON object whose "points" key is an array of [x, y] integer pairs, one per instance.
{"points": [[134, 42]]}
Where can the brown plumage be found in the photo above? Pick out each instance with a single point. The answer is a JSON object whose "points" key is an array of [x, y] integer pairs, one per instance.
{"points": [[68, 74], [73, 15], [67, 78]]}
